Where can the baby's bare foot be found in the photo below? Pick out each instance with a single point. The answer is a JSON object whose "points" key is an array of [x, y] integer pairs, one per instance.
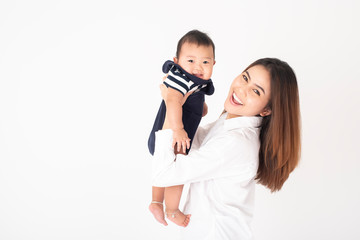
{"points": [[178, 217], [157, 210]]}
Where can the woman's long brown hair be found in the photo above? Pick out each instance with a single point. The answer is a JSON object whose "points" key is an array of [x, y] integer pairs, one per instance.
{"points": [[280, 132]]}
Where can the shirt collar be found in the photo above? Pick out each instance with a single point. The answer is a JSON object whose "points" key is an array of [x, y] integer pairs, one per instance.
{"points": [[241, 122], [173, 67]]}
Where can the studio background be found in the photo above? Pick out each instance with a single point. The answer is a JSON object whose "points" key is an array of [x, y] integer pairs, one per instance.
{"points": [[79, 94]]}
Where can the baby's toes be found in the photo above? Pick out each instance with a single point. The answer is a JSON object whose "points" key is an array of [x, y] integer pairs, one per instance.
{"points": [[187, 220]]}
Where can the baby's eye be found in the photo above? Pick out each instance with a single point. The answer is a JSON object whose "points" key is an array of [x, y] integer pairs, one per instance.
{"points": [[190, 60], [245, 78], [256, 91], [206, 62]]}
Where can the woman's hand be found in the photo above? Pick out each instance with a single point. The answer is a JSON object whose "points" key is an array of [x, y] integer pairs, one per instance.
{"points": [[164, 92], [181, 142]]}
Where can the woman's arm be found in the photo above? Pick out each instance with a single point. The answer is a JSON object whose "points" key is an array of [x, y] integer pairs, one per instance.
{"points": [[221, 156], [173, 119]]}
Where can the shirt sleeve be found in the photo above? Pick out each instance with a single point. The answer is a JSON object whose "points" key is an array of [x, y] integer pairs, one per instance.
{"points": [[221, 156], [178, 83]]}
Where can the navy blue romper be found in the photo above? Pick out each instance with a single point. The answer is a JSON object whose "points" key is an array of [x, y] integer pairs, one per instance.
{"points": [[184, 82]]}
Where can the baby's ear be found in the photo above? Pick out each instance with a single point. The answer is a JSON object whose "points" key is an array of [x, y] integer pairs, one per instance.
{"points": [[265, 112], [175, 60]]}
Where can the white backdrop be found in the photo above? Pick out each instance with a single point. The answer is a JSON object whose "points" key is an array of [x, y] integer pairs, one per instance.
{"points": [[79, 93]]}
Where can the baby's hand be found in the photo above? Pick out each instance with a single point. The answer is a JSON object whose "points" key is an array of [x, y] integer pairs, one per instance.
{"points": [[205, 110], [181, 139]]}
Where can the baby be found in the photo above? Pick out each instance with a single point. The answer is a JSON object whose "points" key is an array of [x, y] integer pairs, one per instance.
{"points": [[189, 73]]}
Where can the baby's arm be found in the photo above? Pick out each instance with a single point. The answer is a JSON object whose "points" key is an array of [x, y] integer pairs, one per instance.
{"points": [[173, 120]]}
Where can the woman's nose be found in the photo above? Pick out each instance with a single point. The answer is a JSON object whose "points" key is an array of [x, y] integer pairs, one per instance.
{"points": [[243, 91]]}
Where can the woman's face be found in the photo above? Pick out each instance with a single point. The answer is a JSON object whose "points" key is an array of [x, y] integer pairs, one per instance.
{"points": [[249, 93]]}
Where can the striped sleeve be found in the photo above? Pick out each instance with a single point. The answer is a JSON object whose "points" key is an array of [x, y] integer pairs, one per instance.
{"points": [[178, 83]]}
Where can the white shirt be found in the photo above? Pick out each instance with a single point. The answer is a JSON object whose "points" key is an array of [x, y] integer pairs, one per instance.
{"points": [[220, 167]]}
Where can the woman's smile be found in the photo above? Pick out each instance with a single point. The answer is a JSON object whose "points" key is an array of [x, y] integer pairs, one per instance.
{"points": [[236, 100]]}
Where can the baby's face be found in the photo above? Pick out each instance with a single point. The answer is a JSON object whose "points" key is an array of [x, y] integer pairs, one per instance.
{"points": [[196, 60]]}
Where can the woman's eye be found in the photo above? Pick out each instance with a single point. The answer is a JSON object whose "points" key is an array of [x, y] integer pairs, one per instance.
{"points": [[257, 92], [205, 62], [245, 78], [191, 61]]}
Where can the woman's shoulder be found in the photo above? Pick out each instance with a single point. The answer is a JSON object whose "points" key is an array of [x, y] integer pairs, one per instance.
{"points": [[246, 134], [239, 148], [242, 141]]}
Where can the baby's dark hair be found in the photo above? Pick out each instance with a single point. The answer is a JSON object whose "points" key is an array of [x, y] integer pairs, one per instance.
{"points": [[195, 37]]}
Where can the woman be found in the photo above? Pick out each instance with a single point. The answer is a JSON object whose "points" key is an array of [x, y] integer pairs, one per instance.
{"points": [[257, 138]]}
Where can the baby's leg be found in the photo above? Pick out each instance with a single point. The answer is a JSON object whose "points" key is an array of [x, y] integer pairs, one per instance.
{"points": [[156, 206], [172, 201]]}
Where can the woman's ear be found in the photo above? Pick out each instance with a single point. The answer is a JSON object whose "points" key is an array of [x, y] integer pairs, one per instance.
{"points": [[175, 60], [265, 112]]}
